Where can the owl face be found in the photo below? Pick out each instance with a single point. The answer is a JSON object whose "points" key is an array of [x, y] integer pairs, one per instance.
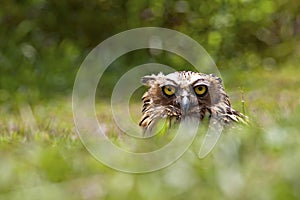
{"points": [[187, 91], [185, 94]]}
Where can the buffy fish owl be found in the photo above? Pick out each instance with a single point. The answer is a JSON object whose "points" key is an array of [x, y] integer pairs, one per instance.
{"points": [[185, 93]]}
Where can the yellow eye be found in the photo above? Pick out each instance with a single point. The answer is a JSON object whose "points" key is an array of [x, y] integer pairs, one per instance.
{"points": [[200, 90], [168, 90]]}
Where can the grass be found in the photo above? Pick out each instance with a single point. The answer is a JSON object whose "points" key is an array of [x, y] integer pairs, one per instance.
{"points": [[42, 156]]}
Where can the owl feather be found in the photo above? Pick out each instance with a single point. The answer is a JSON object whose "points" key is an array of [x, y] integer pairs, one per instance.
{"points": [[186, 94]]}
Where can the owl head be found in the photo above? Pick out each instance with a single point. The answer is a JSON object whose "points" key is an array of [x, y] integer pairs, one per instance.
{"points": [[186, 91], [181, 94]]}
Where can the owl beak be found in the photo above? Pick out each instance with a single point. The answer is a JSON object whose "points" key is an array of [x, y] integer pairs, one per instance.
{"points": [[185, 104]]}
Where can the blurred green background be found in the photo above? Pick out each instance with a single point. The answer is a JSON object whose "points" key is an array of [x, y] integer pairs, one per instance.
{"points": [[255, 44]]}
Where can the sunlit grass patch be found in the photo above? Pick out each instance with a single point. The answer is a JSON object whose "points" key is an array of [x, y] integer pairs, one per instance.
{"points": [[42, 156]]}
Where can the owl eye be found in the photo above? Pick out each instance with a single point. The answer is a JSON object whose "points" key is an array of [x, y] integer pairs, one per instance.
{"points": [[200, 90], [169, 90]]}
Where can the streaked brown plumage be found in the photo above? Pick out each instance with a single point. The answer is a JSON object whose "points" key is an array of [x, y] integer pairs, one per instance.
{"points": [[186, 93]]}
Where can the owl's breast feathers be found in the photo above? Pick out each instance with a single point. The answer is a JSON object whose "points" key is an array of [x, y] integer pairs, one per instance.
{"points": [[152, 112], [227, 115]]}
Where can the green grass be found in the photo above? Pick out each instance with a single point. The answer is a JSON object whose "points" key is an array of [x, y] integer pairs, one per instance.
{"points": [[43, 158]]}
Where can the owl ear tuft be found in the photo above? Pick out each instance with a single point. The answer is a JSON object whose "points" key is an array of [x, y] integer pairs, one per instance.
{"points": [[148, 80], [219, 79], [216, 77]]}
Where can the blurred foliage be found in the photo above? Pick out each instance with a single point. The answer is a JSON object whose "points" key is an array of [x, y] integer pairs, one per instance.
{"points": [[43, 158], [43, 42]]}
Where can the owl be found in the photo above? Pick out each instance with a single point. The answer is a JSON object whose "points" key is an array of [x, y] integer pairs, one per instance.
{"points": [[182, 94]]}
